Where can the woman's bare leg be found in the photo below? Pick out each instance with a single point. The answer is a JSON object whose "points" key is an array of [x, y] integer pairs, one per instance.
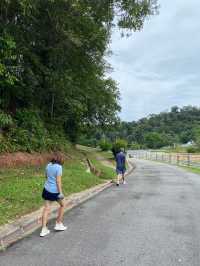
{"points": [[45, 214], [60, 211]]}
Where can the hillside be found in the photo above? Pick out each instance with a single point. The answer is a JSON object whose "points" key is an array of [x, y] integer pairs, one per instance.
{"points": [[178, 126]]}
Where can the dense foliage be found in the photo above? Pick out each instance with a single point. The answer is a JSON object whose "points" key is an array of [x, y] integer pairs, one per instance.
{"points": [[52, 62], [180, 125]]}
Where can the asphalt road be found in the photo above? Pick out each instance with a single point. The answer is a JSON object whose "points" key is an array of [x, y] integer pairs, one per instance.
{"points": [[154, 220]]}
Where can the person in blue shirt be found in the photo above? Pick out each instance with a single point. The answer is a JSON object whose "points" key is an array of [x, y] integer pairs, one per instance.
{"points": [[120, 166], [53, 192]]}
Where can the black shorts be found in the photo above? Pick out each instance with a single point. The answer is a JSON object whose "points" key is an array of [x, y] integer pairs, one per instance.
{"points": [[46, 195]]}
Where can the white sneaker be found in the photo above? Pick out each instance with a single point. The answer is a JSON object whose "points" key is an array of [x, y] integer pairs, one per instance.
{"points": [[60, 227], [45, 231], [124, 182]]}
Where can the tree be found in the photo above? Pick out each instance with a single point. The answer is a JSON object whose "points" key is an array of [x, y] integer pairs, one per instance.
{"points": [[52, 58], [154, 140], [105, 145]]}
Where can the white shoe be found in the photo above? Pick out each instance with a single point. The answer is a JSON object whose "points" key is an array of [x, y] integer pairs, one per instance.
{"points": [[60, 227], [45, 231], [124, 182]]}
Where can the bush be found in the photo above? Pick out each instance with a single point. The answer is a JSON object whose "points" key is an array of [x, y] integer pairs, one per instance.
{"points": [[57, 141], [85, 141], [118, 145], [135, 146], [29, 133], [5, 120], [105, 145], [193, 149], [5, 145]]}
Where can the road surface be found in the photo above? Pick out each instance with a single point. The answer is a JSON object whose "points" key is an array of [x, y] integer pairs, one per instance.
{"points": [[154, 220]]}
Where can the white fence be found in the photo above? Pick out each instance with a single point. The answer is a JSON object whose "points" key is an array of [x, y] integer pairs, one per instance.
{"points": [[184, 159]]}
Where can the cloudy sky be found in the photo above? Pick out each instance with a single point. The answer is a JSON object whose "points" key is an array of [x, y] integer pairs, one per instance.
{"points": [[159, 67]]}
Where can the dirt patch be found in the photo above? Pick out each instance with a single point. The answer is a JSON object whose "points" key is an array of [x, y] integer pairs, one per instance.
{"points": [[10, 160]]}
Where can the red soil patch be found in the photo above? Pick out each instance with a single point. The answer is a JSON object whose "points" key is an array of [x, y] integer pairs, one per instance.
{"points": [[10, 160]]}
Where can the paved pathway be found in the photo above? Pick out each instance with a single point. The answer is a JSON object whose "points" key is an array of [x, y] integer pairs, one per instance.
{"points": [[152, 221]]}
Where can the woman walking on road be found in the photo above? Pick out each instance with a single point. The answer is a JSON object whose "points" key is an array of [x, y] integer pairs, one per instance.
{"points": [[53, 192]]}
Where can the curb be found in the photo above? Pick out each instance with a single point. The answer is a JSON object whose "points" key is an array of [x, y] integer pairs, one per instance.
{"points": [[10, 233]]}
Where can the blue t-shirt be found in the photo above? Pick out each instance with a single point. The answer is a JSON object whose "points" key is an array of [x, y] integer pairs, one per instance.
{"points": [[120, 161], [52, 171]]}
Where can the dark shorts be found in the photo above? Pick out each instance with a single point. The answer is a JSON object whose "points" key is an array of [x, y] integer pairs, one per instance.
{"points": [[120, 171], [46, 195]]}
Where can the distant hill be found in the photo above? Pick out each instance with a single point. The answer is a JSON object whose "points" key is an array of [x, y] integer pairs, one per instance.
{"points": [[178, 126], [166, 128]]}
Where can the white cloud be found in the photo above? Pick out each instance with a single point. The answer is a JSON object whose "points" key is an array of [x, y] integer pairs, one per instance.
{"points": [[159, 66]]}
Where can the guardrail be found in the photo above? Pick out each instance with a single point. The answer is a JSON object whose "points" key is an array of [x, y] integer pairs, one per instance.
{"points": [[184, 159]]}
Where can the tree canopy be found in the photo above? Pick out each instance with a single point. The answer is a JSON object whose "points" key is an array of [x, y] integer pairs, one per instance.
{"points": [[52, 58]]}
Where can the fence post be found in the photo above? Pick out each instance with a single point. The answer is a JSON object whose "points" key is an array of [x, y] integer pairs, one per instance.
{"points": [[170, 158], [177, 159], [188, 159]]}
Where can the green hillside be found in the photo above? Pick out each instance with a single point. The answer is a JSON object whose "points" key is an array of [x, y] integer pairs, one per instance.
{"points": [[178, 126]]}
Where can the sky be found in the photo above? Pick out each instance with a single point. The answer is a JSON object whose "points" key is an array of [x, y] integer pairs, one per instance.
{"points": [[159, 67]]}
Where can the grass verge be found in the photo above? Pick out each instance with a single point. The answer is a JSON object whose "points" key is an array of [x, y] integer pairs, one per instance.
{"points": [[192, 169]]}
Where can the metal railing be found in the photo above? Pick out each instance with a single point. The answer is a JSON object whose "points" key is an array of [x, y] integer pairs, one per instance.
{"points": [[182, 159]]}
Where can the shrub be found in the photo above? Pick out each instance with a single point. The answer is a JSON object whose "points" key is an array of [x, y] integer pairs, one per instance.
{"points": [[119, 144], [5, 120], [105, 145], [135, 146], [85, 141], [29, 133], [193, 149], [5, 145]]}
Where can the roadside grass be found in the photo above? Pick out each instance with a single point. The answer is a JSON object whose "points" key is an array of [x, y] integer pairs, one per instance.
{"points": [[21, 188], [192, 169], [106, 172], [97, 158], [106, 154]]}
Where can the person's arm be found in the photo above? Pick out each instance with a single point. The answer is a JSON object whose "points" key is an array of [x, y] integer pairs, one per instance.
{"points": [[124, 162], [59, 183], [46, 172]]}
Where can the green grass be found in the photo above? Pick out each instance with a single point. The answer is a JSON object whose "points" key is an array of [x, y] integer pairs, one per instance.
{"points": [[93, 154], [192, 169], [20, 189], [106, 154], [106, 172]]}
